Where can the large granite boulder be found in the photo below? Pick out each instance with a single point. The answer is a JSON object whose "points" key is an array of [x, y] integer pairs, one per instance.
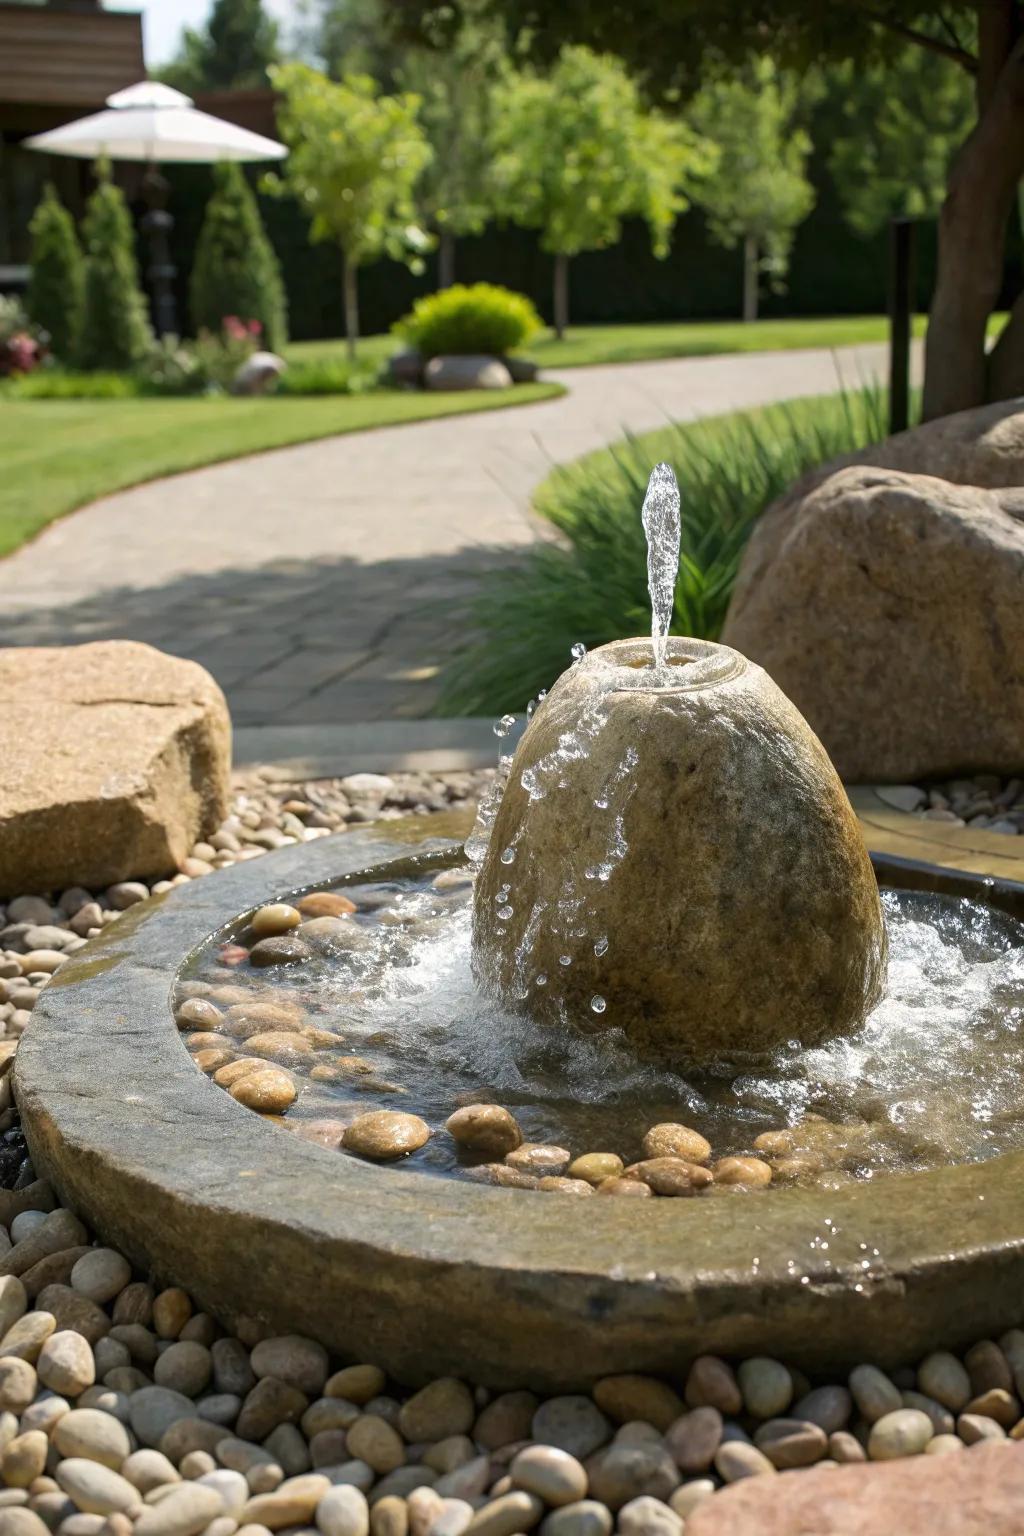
{"points": [[119, 764], [678, 860], [977, 1493], [889, 608]]}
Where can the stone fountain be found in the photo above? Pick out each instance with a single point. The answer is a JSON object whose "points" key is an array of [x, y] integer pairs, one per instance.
{"points": [[673, 857], [674, 853]]}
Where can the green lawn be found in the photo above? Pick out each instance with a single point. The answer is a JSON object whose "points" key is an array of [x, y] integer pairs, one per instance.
{"points": [[632, 343], [59, 454], [589, 344]]}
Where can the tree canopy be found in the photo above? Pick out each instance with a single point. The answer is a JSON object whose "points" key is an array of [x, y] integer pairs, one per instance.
{"points": [[759, 193], [235, 49], [901, 125], [575, 153], [356, 157]]}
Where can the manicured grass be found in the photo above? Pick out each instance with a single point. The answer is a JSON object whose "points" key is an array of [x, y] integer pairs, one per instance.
{"points": [[60, 454], [590, 344]]}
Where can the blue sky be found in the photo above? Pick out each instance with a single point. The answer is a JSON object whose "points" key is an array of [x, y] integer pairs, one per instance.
{"points": [[164, 19]]}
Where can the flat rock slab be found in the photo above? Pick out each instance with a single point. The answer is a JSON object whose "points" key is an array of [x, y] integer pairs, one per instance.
{"points": [[120, 765], [977, 1493]]}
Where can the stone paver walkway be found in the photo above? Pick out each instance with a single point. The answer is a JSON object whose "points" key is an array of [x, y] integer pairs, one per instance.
{"points": [[319, 583]]}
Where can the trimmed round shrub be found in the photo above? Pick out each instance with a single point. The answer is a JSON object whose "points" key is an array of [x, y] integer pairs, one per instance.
{"points": [[477, 319]]}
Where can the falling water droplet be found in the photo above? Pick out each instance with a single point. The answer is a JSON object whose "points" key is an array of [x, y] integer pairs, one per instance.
{"points": [[508, 855], [542, 695], [505, 913], [597, 1004], [565, 959], [503, 726], [530, 708], [601, 947], [541, 979], [578, 651]]}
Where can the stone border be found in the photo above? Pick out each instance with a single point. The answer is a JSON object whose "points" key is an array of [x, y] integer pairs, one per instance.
{"points": [[427, 1276]]}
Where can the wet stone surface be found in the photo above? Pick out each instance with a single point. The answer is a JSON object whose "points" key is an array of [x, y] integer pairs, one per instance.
{"points": [[350, 1015]]}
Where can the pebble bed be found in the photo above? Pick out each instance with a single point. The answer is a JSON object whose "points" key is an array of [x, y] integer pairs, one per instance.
{"points": [[986, 802], [123, 1408]]}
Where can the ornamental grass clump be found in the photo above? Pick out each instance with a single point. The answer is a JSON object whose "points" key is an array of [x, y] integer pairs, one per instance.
{"points": [[591, 585], [479, 319]]}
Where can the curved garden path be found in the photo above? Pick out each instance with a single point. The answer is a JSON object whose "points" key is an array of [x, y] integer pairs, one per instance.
{"points": [[313, 581]]}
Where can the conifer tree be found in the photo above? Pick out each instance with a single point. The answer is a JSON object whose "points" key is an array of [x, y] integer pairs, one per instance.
{"points": [[56, 285], [115, 327], [236, 271]]}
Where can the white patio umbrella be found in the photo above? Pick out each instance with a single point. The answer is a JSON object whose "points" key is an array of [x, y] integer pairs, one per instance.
{"points": [[156, 125]]}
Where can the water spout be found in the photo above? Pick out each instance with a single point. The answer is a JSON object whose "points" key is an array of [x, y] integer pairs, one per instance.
{"points": [[662, 526]]}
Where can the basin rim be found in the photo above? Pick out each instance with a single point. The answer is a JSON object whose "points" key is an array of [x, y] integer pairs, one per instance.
{"points": [[425, 1275]]}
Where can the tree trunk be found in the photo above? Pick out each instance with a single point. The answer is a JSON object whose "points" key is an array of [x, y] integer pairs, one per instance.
{"points": [[351, 293], [750, 277], [561, 296], [445, 259], [972, 229]]}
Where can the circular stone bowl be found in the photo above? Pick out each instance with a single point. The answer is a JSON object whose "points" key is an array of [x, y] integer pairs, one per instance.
{"points": [[426, 1275]]}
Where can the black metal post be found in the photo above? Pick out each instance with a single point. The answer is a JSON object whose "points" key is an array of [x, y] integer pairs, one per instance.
{"points": [[157, 224], [901, 311]]}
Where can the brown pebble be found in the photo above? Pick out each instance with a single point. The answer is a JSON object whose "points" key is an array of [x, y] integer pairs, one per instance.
{"points": [[711, 1382], [671, 1176], [268, 1091], [742, 1172], [595, 1167], [996, 1404], [198, 1013], [566, 1186], [485, 1128], [631, 1188], [325, 904], [385, 1134], [539, 1158], [671, 1140], [988, 1368], [499, 1173]]}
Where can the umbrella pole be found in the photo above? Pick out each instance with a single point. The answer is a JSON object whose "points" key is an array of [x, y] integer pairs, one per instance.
{"points": [[161, 272]]}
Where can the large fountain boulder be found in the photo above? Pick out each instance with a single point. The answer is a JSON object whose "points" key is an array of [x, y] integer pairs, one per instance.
{"points": [[679, 861], [888, 607], [121, 763]]}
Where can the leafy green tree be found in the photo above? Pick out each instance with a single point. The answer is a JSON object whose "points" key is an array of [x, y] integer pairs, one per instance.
{"points": [[759, 192], [56, 284], [236, 271], [356, 157], [115, 326], [575, 153], [901, 123], [452, 65], [233, 51], [669, 40], [354, 37]]}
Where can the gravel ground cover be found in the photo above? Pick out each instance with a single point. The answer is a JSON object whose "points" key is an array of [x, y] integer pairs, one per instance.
{"points": [[124, 1408], [986, 802]]}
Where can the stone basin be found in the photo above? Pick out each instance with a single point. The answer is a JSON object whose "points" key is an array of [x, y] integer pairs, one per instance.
{"points": [[428, 1276]]}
